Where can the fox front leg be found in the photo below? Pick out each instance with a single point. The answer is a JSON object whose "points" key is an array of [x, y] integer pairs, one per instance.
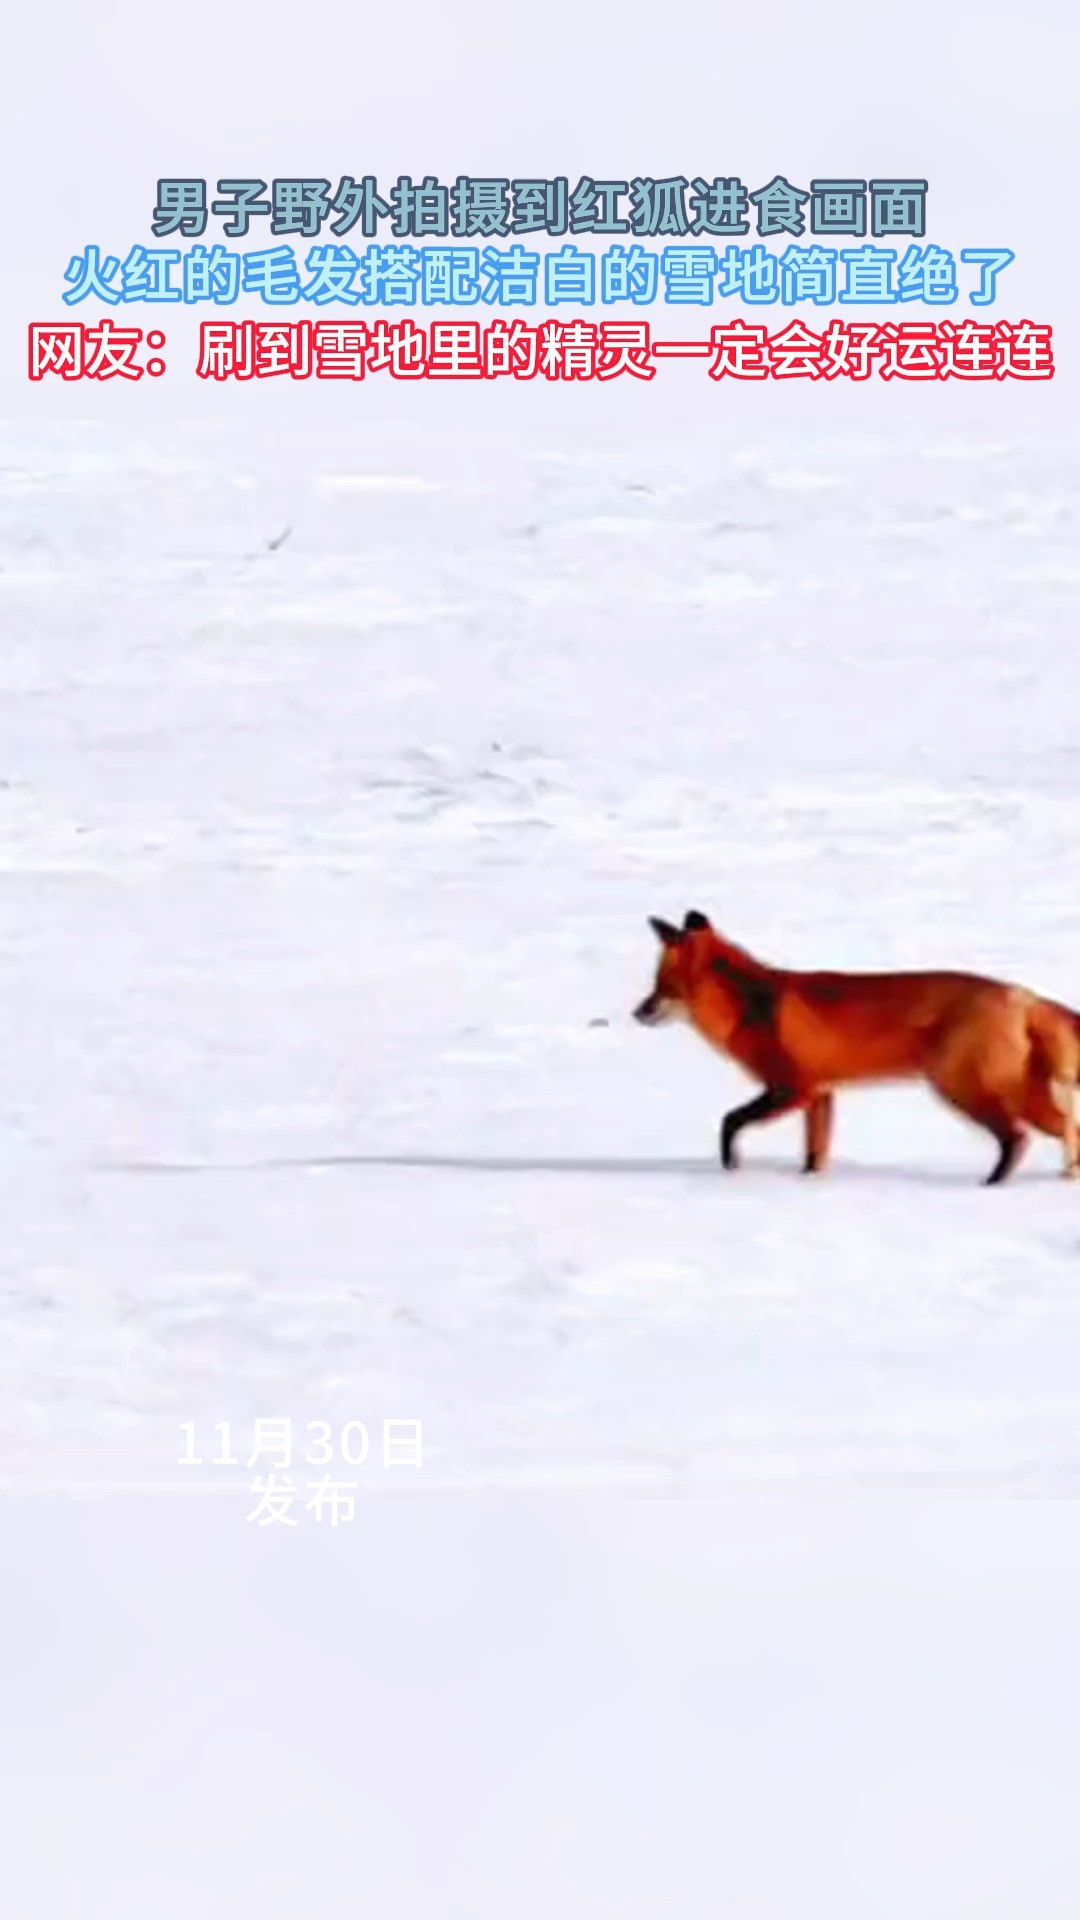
{"points": [[767, 1106], [819, 1126]]}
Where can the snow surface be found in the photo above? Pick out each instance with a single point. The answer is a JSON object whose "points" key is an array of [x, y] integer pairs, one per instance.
{"points": [[337, 779], [604, 1707]]}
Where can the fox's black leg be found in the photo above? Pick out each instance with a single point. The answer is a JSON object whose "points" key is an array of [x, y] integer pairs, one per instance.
{"points": [[1011, 1146], [768, 1106]]}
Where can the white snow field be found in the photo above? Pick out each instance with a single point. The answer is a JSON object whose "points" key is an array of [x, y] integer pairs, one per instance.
{"points": [[336, 784], [610, 1707]]}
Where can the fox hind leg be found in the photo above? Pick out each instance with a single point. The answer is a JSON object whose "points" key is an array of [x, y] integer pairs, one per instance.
{"points": [[1052, 1107], [1066, 1094], [1012, 1142], [999, 1116], [1052, 1098], [980, 1066]]}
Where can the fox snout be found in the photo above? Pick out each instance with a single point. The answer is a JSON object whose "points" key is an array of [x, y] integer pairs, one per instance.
{"points": [[653, 1009]]}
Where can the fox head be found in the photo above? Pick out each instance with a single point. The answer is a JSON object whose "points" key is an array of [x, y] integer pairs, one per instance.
{"points": [[678, 970]]}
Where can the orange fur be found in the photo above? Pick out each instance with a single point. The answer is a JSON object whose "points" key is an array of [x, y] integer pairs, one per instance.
{"points": [[1000, 1054]]}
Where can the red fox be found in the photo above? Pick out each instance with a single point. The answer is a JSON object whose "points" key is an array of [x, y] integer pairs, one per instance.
{"points": [[1005, 1057]]}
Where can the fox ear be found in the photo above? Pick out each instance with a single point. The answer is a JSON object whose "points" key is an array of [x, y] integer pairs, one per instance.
{"points": [[667, 935], [695, 923]]}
